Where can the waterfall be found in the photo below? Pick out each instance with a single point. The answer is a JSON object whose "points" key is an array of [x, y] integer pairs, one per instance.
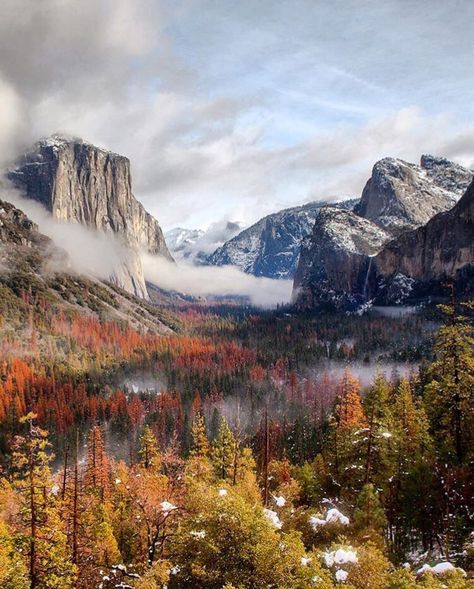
{"points": [[366, 282]]}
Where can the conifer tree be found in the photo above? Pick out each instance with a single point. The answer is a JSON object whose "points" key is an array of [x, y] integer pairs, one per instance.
{"points": [[376, 407], [41, 531], [347, 429], [223, 449], [149, 452], [449, 394], [97, 476], [199, 443], [369, 515]]}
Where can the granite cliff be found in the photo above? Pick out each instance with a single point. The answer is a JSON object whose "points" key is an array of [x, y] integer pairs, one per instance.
{"points": [[388, 244], [81, 183]]}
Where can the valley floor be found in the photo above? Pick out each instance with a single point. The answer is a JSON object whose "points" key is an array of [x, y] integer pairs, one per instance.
{"points": [[234, 448]]}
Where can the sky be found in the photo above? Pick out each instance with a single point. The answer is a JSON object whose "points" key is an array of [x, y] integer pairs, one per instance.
{"points": [[232, 110]]}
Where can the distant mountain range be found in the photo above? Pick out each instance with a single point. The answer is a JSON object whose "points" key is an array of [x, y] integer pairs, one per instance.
{"points": [[409, 231], [271, 246], [196, 245]]}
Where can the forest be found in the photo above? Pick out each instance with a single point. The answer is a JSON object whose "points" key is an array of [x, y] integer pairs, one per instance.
{"points": [[245, 449]]}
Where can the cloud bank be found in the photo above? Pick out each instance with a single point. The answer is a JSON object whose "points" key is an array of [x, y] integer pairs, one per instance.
{"points": [[101, 255], [208, 281], [227, 112], [89, 251]]}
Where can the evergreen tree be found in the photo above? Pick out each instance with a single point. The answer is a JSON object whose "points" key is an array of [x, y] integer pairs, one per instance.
{"points": [[41, 534], [369, 515], [378, 435], [148, 451], [97, 476], [223, 451], [199, 442], [449, 394]]}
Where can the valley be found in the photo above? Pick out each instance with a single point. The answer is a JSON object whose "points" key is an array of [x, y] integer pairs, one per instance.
{"points": [[137, 419]]}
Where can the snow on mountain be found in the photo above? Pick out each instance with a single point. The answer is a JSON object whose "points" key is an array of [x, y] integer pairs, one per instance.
{"points": [[195, 245], [340, 264], [271, 246], [181, 241], [334, 259], [400, 196]]}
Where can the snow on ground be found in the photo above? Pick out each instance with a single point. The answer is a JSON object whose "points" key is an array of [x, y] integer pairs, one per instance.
{"points": [[438, 569], [272, 516], [333, 516], [340, 556]]}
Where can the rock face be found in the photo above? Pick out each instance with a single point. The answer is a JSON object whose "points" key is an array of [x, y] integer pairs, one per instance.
{"points": [[419, 261], [271, 246], [78, 182], [16, 228], [335, 259], [401, 196], [339, 265]]}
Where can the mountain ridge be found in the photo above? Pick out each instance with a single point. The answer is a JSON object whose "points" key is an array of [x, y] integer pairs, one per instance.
{"points": [[270, 247], [333, 271]]}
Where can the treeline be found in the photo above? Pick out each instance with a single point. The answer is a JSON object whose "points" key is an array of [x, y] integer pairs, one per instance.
{"points": [[372, 491]]}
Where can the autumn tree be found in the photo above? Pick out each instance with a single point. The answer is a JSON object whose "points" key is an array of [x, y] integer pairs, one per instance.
{"points": [[148, 451], [40, 532]]}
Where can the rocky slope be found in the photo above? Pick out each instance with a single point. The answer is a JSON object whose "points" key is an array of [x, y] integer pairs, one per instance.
{"points": [[417, 263], [271, 246], [35, 275], [333, 262], [78, 182], [400, 196], [337, 263]]}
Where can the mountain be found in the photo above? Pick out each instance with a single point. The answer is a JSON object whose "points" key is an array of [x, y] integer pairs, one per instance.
{"points": [[195, 245], [419, 262], [180, 241], [334, 257], [400, 196], [271, 246], [336, 265], [81, 183]]}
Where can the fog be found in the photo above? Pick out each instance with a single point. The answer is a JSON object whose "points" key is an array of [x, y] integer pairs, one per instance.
{"points": [[365, 372], [89, 251], [215, 281], [103, 255]]}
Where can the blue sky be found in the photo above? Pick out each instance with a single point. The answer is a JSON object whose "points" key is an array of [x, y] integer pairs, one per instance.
{"points": [[231, 110]]}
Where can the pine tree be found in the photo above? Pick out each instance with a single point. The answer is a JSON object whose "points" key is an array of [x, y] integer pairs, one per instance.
{"points": [[369, 515], [41, 529], [200, 443], [376, 407], [97, 477], [347, 430], [223, 451], [349, 411], [411, 450], [449, 394], [149, 452]]}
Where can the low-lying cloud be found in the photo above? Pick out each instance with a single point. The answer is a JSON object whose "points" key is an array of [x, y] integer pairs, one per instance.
{"points": [[206, 281], [103, 256], [89, 251]]}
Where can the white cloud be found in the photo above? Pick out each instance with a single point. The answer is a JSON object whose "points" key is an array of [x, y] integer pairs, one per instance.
{"points": [[225, 110], [211, 281]]}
